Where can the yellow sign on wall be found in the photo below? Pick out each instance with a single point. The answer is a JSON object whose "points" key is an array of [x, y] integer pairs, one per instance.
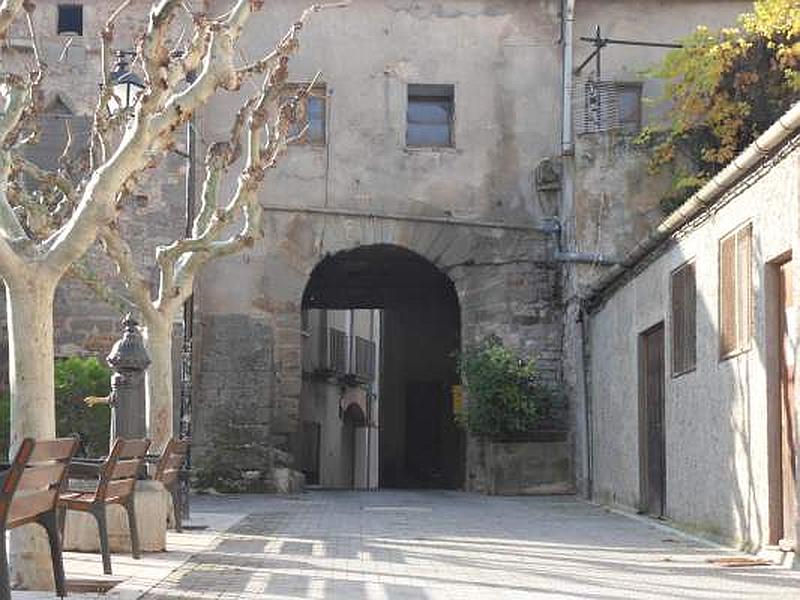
{"points": [[458, 399]]}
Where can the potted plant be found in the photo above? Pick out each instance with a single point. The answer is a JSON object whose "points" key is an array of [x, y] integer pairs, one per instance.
{"points": [[520, 447]]}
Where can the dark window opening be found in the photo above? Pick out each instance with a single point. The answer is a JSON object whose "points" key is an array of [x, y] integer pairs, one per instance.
{"points": [[430, 115], [70, 19]]}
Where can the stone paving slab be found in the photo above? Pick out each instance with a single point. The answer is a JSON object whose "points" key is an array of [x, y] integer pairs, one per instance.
{"points": [[429, 545], [453, 546], [139, 576]]}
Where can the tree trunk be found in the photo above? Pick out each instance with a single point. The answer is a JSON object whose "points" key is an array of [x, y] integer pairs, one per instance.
{"points": [[158, 341], [29, 303]]}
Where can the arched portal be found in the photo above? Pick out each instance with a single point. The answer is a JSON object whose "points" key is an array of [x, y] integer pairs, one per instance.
{"points": [[381, 329]]}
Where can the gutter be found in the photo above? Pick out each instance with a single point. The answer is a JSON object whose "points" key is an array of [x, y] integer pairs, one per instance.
{"points": [[755, 153], [568, 20]]}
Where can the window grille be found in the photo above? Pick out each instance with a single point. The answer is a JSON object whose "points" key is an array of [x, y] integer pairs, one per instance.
{"points": [[608, 106], [337, 350], [365, 358]]}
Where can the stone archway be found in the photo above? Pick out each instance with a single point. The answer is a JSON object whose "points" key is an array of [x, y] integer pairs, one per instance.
{"points": [[411, 439]]}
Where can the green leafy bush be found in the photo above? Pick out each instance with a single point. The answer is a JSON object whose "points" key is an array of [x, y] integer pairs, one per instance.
{"points": [[75, 378], [504, 394]]}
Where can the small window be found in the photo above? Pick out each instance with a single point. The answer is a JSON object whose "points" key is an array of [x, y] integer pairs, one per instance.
{"points": [[315, 108], [735, 291], [611, 105], [70, 19], [430, 116], [629, 107], [683, 290]]}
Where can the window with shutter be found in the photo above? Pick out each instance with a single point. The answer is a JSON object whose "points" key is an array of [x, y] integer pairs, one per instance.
{"points": [[684, 310], [735, 291], [429, 115]]}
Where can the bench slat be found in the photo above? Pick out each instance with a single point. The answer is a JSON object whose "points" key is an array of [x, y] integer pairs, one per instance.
{"points": [[27, 506], [125, 469], [41, 476], [134, 449], [119, 488], [58, 449]]}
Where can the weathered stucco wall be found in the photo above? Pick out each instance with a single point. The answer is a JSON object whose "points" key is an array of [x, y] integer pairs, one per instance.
{"points": [[716, 416], [504, 125], [610, 202]]}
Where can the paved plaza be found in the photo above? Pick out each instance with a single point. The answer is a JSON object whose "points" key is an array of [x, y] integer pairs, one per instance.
{"points": [[429, 545]]}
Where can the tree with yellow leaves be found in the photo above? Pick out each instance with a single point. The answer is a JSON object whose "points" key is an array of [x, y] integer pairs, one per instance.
{"points": [[724, 88]]}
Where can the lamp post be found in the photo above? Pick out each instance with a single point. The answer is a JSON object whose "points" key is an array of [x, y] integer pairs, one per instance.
{"points": [[127, 86]]}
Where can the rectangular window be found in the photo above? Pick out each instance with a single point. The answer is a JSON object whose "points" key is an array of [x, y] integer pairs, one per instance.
{"points": [[735, 291], [315, 108], [429, 116], [629, 107], [683, 291], [611, 105], [70, 19]]}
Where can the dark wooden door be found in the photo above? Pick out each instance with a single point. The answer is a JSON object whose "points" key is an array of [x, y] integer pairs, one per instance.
{"points": [[651, 421], [788, 425]]}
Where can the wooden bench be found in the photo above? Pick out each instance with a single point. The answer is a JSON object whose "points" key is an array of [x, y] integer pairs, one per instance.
{"points": [[168, 472], [115, 484], [29, 494]]}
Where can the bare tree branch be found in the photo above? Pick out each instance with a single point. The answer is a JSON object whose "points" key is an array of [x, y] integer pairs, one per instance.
{"points": [[9, 9], [135, 281], [82, 272]]}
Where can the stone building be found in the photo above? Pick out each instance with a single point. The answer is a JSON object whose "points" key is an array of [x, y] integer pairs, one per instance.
{"points": [[458, 175], [692, 344]]}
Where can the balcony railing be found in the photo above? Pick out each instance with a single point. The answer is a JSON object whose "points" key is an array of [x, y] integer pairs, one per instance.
{"points": [[364, 359]]}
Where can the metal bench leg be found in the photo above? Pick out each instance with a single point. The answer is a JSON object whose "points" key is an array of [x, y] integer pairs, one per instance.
{"points": [[174, 491], [99, 513], [5, 583], [130, 508], [49, 521]]}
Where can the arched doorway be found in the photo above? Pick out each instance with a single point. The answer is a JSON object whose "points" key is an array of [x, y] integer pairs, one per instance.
{"points": [[381, 329]]}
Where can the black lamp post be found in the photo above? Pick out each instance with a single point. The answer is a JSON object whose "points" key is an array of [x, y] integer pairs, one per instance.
{"points": [[127, 86]]}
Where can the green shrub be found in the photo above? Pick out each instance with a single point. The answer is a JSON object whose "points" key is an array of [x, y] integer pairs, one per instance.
{"points": [[75, 378], [504, 395]]}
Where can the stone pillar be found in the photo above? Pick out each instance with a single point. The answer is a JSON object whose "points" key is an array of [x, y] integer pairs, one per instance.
{"points": [[128, 359]]}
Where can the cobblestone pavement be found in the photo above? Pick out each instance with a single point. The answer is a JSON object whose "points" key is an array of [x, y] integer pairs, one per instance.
{"points": [[453, 546]]}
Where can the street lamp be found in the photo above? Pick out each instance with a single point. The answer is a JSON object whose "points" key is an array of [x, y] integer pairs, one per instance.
{"points": [[126, 86]]}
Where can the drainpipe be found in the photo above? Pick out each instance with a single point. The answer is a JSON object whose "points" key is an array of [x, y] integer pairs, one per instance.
{"points": [[568, 20], [585, 373]]}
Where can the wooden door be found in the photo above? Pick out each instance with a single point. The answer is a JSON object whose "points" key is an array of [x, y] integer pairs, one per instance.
{"points": [[788, 425], [651, 421]]}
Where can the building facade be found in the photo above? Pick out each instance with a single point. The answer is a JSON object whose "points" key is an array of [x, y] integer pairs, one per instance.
{"points": [[461, 175], [692, 360]]}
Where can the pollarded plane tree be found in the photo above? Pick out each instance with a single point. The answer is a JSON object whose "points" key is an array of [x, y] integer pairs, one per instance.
{"points": [[225, 224], [49, 223]]}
